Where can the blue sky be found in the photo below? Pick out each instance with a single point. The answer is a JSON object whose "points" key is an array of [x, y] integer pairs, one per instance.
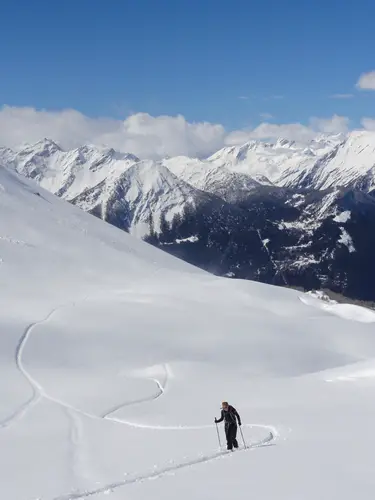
{"points": [[193, 57]]}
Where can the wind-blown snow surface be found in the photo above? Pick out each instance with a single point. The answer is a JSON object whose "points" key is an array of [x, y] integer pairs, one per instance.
{"points": [[115, 357]]}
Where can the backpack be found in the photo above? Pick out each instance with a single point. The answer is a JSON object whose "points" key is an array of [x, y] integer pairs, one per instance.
{"points": [[232, 414]]}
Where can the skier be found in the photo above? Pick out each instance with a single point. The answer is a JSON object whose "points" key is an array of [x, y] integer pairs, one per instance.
{"points": [[229, 415]]}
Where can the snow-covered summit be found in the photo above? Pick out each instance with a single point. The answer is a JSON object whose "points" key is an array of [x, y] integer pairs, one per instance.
{"points": [[140, 198], [212, 178], [284, 143], [232, 172], [263, 158], [67, 173], [44, 147]]}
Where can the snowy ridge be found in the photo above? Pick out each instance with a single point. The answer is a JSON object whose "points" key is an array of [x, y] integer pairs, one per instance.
{"points": [[139, 198], [215, 179], [271, 160], [349, 163], [67, 173], [232, 173], [325, 162]]}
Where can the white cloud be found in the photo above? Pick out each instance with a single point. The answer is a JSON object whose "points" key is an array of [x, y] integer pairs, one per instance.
{"points": [[334, 125], [292, 131], [366, 81], [342, 96], [244, 97], [141, 134], [148, 136], [270, 131], [368, 123], [266, 116], [68, 127]]}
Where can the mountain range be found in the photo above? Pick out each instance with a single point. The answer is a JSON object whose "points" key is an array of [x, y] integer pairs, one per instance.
{"points": [[283, 213]]}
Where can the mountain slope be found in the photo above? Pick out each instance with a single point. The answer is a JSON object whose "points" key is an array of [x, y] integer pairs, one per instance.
{"points": [[327, 161], [217, 180], [139, 198], [115, 357], [331, 243], [256, 158], [350, 163], [67, 173]]}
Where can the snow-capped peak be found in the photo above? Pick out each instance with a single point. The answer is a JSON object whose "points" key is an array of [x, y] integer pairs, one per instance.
{"points": [[284, 143], [154, 177], [43, 147], [212, 177], [67, 173], [232, 173], [140, 197], [348, 162]]}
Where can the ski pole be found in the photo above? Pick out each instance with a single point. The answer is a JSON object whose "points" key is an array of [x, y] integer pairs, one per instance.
{"points": [[243, 439], [218, 434]]}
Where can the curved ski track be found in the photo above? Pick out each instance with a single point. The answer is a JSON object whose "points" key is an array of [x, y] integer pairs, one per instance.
{"points": [[161, 389], [164, 471], [37, 390], [38, 393]]}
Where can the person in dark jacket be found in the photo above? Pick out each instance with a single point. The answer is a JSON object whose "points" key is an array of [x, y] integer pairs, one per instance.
{"points": [[230, 417]]}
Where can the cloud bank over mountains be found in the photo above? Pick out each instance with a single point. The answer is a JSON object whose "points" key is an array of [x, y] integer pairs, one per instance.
{"points": [[150, 136]]}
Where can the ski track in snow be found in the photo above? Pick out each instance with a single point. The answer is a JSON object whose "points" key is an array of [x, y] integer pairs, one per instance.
{"points": [[161, 387], [39, 393], [164, 471], [37, 390], [77, 458]]}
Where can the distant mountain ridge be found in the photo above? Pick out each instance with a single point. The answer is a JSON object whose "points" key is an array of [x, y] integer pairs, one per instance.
{"points": [[282, 213]]}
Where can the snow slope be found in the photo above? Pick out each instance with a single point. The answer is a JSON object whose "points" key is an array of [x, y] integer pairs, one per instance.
{"points": [[115, 357]]}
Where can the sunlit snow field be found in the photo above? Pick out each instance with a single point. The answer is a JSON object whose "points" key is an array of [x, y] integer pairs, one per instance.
{"points": [[115, 358]]}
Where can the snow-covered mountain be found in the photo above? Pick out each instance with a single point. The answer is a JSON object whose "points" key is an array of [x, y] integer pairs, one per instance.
{"points": [[215, 179], [139, 198], [67, 173], [270, 160], [349, 163], [115, 358], [318, 239], [231, 173], [217, 213], [327, 162]]}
